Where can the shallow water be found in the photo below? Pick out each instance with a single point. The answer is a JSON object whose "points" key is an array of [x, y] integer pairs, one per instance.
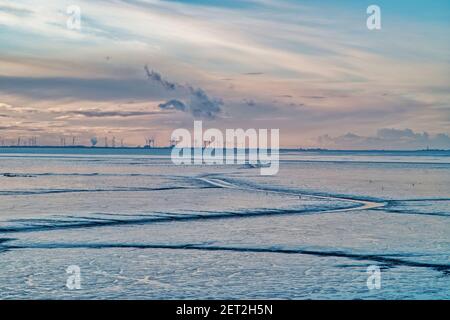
{"points": [[140, 227]]}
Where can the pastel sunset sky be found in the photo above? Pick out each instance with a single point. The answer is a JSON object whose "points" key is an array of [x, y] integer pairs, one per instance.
{"points": [[142, 68]]}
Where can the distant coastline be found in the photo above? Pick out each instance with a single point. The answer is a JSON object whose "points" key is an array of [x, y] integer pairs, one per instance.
{"points": [[139, 148]]}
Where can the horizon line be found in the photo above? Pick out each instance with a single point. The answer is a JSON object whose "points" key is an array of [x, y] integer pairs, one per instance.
{"points": [[225, 148]]}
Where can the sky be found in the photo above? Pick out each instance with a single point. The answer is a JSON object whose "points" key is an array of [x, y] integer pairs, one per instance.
{"points": [[141, 68]]}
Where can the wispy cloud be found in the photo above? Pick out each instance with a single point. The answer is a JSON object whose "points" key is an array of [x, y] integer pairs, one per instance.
{"points": [[306, 67], [96, 113], [156, 77]]}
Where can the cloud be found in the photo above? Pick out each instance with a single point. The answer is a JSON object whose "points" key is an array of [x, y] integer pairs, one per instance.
{"points": [[347, 81], [250, 103], [400, 134], [197, 102], [21, 12], [11, 109], [20, 128], [313, 97], [202, 106], [173, 105], [156, 77], [96, 113], [199, 105], [388, 139], [103, 89]]}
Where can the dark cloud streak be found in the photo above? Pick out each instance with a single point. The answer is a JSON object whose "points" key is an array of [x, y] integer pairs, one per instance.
{"points": [[101, 89], [155, 76], [173, 105], [100, 114]]}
